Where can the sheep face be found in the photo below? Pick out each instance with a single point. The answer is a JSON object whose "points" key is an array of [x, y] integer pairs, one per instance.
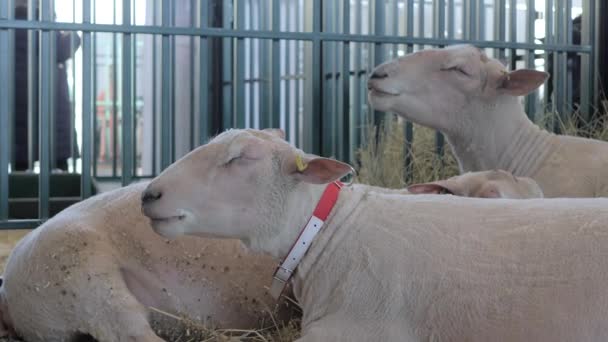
{"points": [[483, 184], [439, 88], [234, 186]]}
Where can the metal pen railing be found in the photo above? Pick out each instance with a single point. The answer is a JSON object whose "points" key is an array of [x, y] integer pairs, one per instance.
{"points": [[197, 67]]}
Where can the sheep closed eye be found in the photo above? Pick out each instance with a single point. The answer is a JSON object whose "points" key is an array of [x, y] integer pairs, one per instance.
{"points": [[457, 69]]}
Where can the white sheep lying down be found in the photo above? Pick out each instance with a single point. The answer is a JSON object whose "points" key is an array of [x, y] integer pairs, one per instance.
{"points": [[97, 267], [474, 101], [390, 267]]}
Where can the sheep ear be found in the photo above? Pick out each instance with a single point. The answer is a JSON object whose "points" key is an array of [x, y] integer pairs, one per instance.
{"points": [[522, 82], [317, 170], [276, 132], [435, 188]]}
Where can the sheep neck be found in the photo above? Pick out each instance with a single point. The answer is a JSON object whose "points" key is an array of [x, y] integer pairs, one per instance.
{"points": [[501, 139], [283, 229]]}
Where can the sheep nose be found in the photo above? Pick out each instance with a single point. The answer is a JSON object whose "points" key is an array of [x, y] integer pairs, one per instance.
{"points": [[378, 74], [150, 196]]}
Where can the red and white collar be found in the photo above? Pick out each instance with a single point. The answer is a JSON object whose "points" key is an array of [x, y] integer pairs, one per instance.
{"points": [[285, 270]]}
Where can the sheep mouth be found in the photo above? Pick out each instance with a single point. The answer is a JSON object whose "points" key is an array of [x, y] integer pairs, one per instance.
{"points": [[375, 91]]}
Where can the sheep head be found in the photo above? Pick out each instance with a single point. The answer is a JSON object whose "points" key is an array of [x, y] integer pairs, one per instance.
{"points": [[482, 184], [444, 88], [236, 186]]}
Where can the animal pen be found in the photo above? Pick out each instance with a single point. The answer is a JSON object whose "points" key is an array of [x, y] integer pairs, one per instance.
{"points": [[150, 80]]}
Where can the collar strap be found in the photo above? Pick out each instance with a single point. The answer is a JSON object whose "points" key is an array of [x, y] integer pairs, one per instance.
{"points": [[285, 270]]}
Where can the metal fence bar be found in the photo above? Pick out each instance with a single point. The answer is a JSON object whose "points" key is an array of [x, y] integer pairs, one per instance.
{"points": [[317, 88], [88, 109], [548, 55], [287, 71], [275, 91], [409, 127], [73, 146], [127, 93], [439, 32], [32, 88], [204, 116], [500, 25], [309, 36], [5, 127], [530, 104], [45, 115], [513, 32], [379, 13], [346, 153], [114, 96], [252, 78], [239, 70], [587, 61], [559, 60], [298, 80], [166, 136], [265, 86], [357, 137], [52, 82]]}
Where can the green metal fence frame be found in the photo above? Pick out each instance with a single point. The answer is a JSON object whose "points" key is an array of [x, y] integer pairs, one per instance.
{"points": [[317, 36]]}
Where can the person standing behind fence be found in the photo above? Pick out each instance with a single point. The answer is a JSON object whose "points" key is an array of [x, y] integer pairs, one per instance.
{"points": [[64, 138]]}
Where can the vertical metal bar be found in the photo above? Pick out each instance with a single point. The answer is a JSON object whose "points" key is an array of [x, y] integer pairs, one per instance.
{"points": [[166, 136], [359, 83], [252, 77], [439, 33], [127, 94], [451, 19], [549, 55], [52, 82], [421, 32], [204, 117], [239, 68], [297, 75], [334, 130], [32, 88], [287, 44], [594, 16], [93, 41], [346, 122], [11, 80], [560, 61], [379, 14], [317, 89], [87, 103], [500, 24], [265, 84], [568, 40], [72, 98], [155, 112], [587, 69], [409, 127], [513, 31], [530, 17], [5, 127], [114, 96], [409, 29], [276, 65], [481, 20], [192, 75], [45, 115]]}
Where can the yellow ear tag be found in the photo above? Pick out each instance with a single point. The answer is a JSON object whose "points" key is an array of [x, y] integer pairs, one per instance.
{"points": [[300, 164]]}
